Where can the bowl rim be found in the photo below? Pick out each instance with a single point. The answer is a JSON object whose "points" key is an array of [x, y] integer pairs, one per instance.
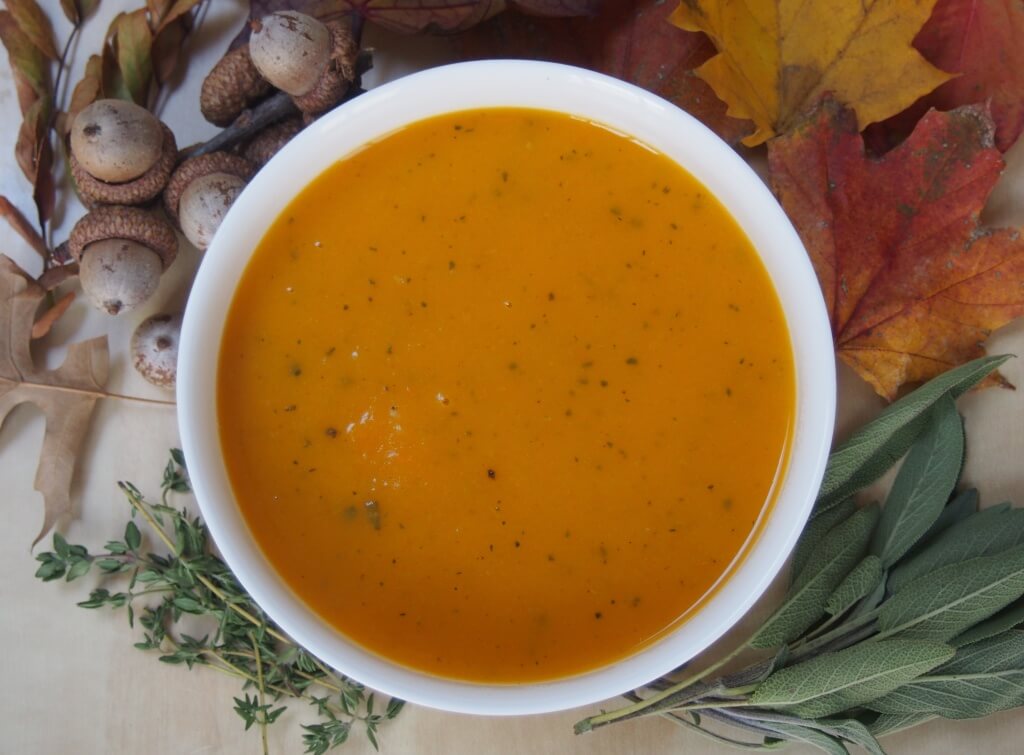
{"points": [[623, 107]]}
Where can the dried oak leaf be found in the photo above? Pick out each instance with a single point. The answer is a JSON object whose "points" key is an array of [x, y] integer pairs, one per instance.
{"points": [[630, 39], [983, 42], [66, 395], [776, 59], [912, 283]]}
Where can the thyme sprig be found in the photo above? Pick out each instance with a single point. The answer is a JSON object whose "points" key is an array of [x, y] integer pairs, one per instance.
{"points": [[189, 583], [895, 615]]}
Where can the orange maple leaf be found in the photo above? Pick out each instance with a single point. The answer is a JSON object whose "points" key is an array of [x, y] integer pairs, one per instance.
{"points": [[913, 284], [778, 57]]}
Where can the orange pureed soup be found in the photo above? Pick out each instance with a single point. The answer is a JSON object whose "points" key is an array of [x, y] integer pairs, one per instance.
{"points": [[504, 394]]}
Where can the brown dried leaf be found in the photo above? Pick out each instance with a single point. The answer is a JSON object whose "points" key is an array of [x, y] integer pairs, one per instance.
{"points": [[49, 318], [77, 11], [35, 25], [32, 143], [66, 395], [86, 91], [20, 224], [53, 277], [132, 42], [167, 49], [558, 8], [27, 63], [631, 40], [174, 10]]}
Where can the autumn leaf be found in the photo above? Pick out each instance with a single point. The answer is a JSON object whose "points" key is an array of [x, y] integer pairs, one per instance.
{"points": [[132, 40], [66, 395], [77, 11], [86, 91], [631, 40], [778, 57], [561, 8], [983, 42], [35, 25], [420, 16], [913, 284], [28, 65]]}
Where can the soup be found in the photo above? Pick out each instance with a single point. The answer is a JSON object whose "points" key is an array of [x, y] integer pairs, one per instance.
{"points": [[503, 395]]}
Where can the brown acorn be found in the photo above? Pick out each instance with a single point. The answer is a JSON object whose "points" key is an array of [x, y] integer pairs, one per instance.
{"points": [[120, 153], [312, 61], [232, 85], [121, 253], [201, 191]]}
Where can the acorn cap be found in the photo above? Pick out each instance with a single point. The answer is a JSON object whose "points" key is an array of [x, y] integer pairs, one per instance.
{"points": [[201, 165], [269, 141], [120, 222], [232, 85], [335, 79], [136, 191]]}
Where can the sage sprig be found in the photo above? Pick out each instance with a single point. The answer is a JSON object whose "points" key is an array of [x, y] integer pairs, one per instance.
{"points": [[895, 616], [158, 590]]}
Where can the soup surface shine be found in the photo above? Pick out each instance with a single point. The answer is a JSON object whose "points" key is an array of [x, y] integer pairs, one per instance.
{"points": [[503, 395]]}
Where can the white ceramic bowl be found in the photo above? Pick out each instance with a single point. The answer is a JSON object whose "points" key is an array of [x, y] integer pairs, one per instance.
{"points": [[625, 108]]}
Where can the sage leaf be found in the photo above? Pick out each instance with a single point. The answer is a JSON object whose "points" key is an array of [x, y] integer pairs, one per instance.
{"points": [[980, 680], [872, 450], [858, 584], [828, 564], [807, 735], [923, 484], [816, 529], [961, 506], [872, 600], [830, 683], [890, 723], [852, 731], [944, 603], [849, 729], [1008, 618], [987, 532]]}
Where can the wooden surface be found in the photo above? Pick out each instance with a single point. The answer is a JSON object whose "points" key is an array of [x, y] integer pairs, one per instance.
{"points": [[74, 684]]}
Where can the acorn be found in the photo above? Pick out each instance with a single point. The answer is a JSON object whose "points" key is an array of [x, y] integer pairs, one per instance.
{"points": [[120, 153], [269, 141], [121, 253], [154, 349], [202, 190], [232, 85], [312, 61]]}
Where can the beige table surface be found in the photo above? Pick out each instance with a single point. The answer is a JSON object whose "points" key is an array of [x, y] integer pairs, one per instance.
{"points": [[72, 683]]}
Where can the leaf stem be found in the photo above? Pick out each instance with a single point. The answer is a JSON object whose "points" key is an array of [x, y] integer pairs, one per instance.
{"points": [[642, 707], [99, 394], [717, 738], [261, 691], [854, 625]]}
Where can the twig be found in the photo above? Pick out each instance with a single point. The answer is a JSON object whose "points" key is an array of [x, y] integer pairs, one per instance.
{"points": [[270, 111]]}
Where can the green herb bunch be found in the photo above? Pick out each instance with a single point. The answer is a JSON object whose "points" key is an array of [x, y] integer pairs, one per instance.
{"points": [[189, 580], [896, 615]]}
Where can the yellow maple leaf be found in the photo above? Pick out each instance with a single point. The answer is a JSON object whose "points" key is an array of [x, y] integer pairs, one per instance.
{"points": [[778, 57]]}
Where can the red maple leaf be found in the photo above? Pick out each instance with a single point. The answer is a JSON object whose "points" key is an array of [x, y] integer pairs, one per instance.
{"points": [[913, 284]]}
